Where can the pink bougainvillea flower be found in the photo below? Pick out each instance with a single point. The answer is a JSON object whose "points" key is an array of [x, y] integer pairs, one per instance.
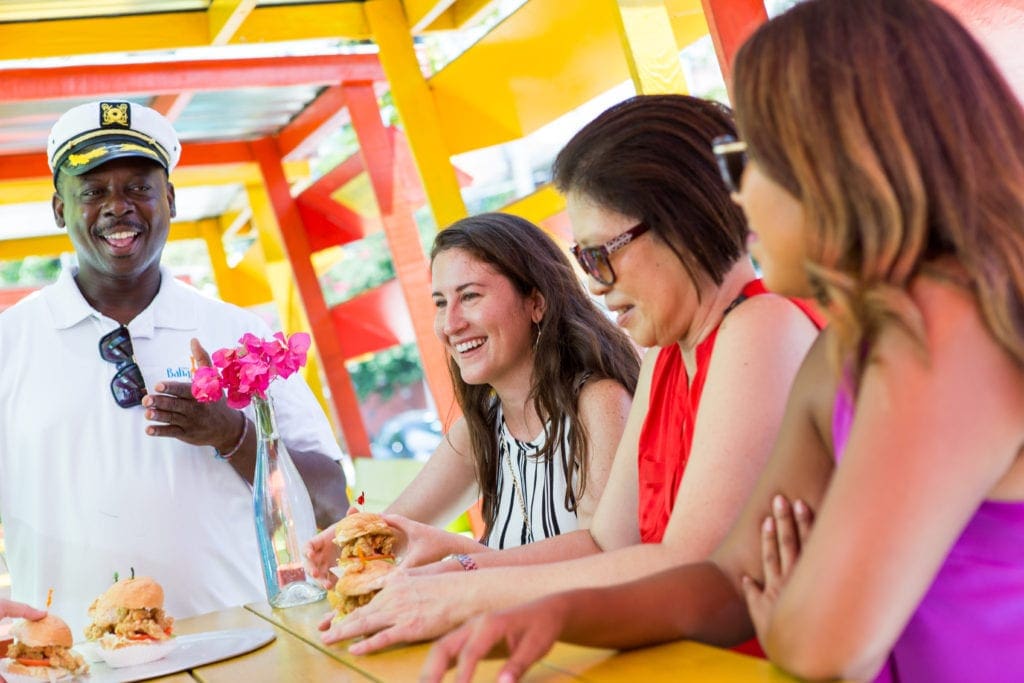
{"points": [[247, 370], [206, 386], [290, 353]]}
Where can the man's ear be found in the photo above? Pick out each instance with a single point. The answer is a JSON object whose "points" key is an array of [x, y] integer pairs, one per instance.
{"points": [[58, 210], [170, 199]]}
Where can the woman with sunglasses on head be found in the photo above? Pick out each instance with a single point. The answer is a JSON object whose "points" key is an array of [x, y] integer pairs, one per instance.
{"points": [[869, 127], [544, 381], [662, 242]]}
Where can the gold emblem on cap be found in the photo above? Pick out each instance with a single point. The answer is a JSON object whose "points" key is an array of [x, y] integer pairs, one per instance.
{"points": [[115, 115]]}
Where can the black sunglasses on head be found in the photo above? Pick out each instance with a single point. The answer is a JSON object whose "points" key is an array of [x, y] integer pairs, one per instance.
{"points": [[128, 386], [595, 261], [731, 155]]}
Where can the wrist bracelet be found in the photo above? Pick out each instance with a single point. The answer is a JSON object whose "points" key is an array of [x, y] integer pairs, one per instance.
{"points": [[227, 456], [467, 562]]}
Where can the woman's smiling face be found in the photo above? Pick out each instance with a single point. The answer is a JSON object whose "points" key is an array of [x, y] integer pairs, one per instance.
{"points": [[486, 325]]}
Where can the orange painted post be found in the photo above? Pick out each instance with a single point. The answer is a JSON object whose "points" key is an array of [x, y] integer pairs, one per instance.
{"points": [[731, 22], [377, 145], [296, 244]]}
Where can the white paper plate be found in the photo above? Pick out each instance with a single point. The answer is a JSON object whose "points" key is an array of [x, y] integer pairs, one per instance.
{"points": [[134, 655], [22, 678], [190, 651]]}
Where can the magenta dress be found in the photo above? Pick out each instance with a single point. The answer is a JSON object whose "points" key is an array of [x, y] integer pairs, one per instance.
{"points": [[970, 624]]}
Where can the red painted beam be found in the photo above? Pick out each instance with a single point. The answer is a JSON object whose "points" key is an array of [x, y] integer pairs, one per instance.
{"points": [[373, 321], [339, 176], [319, 119], [297, 248], [104, 80], [388, 169], [376, 143], [33, 164], [330, 224], [730, 23]]}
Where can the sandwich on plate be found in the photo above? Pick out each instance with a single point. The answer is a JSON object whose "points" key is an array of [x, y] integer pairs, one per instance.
{"points": [[41, 651], [129, 623]]}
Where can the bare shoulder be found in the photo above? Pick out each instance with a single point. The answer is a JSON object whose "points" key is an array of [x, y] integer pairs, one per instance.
{"points": [[604, 399], [767, 313]]}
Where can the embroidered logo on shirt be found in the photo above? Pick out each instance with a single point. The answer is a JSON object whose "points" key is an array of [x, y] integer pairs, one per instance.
{"points": [[179, 373]]}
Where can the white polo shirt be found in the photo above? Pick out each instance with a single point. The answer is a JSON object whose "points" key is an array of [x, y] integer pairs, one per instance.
{"points": [[85, 492]]}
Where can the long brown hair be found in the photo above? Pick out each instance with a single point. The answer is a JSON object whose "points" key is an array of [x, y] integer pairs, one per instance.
{"points": [[575, 342], [904, 144]]}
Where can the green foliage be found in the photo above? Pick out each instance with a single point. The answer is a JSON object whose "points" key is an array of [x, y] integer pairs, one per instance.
{"points": [[385, 371], [32, 271]]}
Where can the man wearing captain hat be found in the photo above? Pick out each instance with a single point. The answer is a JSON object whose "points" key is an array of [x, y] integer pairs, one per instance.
{"points": [[106, 461]]}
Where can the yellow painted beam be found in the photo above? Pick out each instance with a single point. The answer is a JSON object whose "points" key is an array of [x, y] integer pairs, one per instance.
{"points": [[417, 109], [26, 40], [466, 12], [543, 61], [343, 20], [265, 220], [536, 207], [52, 245], [141, 32], [225, 17], [41, 189], [650, 47], [422, 13]]}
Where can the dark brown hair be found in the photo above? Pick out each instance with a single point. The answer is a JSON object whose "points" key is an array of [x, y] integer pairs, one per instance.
{"points": [[576, 342], [650, 158], [904, 144]]}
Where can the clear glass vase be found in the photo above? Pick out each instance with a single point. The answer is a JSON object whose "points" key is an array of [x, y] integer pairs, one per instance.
{"points": [[284, 516]]}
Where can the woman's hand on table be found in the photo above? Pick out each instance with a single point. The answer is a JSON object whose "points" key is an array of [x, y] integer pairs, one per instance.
{"points": [[322, 554], [524, 634], [407, 609], [782, 537]]}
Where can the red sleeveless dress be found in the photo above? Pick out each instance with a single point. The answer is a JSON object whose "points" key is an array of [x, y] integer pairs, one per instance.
{"points": [[667, 433]]}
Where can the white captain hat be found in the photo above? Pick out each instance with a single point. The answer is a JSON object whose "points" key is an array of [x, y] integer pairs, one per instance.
{"points": [[92, 134]]}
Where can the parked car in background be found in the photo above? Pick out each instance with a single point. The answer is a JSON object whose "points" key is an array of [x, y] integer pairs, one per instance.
{"points": [[411, 434]]}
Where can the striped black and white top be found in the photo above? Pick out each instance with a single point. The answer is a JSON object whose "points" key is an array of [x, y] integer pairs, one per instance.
{"points": [[532, 483]]}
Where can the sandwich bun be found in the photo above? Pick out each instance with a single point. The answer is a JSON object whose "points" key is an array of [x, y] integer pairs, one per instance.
{"points": [[363, 578], [50, 630], [141, 592], [48, 639], [360, 524]]}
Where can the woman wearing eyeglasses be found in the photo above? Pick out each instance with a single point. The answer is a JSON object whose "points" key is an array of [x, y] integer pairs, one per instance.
{"points": [[886, 175], [544, 381], [663, 244]]}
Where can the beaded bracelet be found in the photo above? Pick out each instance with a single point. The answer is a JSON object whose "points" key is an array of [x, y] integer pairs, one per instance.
{"points": [[227, 456], [467, 562]]}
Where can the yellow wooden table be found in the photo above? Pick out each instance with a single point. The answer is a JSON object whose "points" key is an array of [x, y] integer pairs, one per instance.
{"points": [[287, 658], [680, 661]]}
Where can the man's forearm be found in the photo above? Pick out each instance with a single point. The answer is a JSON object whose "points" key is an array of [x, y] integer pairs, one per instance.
{"points": [[325, 481]]}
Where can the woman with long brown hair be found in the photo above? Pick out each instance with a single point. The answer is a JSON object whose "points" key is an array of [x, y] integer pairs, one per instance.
{"points": [[544, 380]]}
